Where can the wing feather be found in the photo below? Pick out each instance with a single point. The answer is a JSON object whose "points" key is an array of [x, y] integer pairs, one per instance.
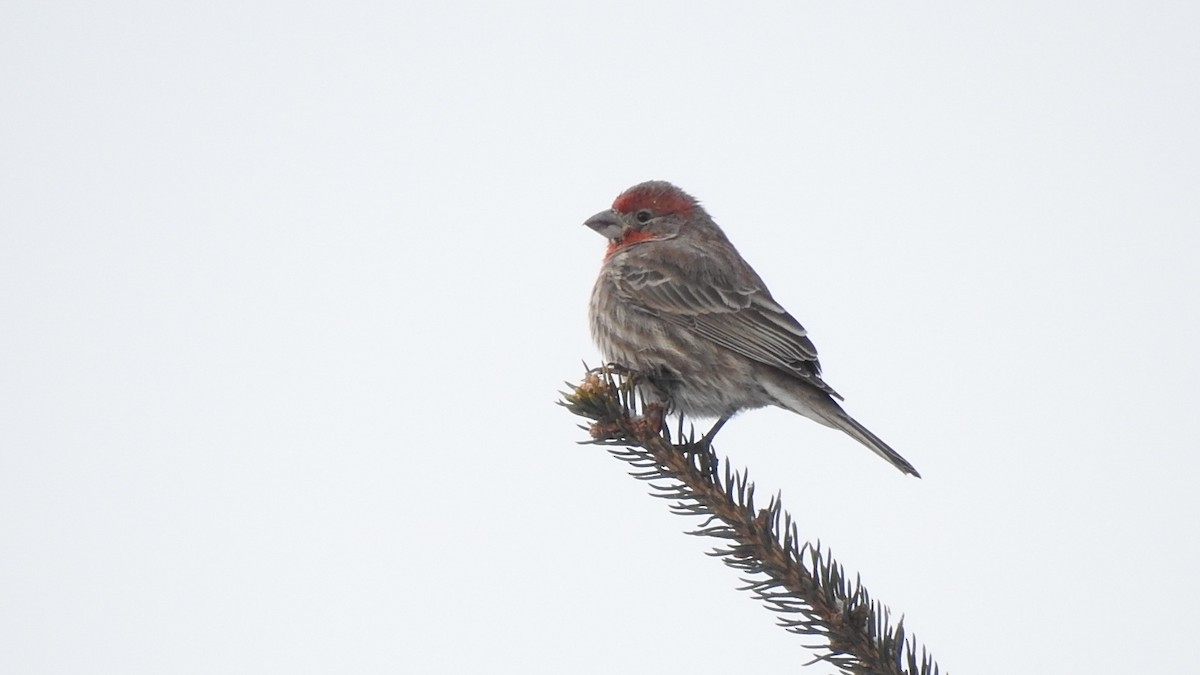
{"points": [[741, 317]]}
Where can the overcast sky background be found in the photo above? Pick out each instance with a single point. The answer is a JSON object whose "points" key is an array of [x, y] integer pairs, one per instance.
{"points": [[288, 293]]}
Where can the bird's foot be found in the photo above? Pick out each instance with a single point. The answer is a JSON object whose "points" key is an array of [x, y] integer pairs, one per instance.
{"points": [[707, 440]]}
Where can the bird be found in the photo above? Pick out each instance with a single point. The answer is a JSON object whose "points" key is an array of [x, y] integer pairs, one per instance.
{"points": [[676, 303]]}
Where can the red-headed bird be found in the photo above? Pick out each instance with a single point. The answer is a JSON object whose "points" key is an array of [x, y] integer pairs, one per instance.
{"points": [[676, 303]]}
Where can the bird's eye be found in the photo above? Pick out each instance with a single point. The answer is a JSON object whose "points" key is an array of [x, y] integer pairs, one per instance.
{"points": [[643, 216]]}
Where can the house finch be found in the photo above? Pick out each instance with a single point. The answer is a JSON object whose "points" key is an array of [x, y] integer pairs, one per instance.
{"points": [[676, 303]]}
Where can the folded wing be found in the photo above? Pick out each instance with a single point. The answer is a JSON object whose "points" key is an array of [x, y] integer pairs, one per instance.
{"points": [[741, 317]]}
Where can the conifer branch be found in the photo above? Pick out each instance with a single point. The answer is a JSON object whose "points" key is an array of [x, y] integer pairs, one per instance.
{"points": [[798, 580]]}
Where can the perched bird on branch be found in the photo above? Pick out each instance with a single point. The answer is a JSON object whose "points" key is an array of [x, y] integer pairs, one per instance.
{"points": [[676, 303]]}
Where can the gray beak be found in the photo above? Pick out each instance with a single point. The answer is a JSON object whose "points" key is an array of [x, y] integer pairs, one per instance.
{"points": [[606, 223]]}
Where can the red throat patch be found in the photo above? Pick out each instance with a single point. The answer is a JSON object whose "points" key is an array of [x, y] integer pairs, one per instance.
{"points": [[633, 237]]}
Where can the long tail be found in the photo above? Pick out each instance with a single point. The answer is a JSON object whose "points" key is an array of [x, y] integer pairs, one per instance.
{"points": [[819, 406], [863, 435]]}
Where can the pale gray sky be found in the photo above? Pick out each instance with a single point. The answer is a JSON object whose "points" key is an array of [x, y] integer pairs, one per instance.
{"points": [[288, 294]]}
